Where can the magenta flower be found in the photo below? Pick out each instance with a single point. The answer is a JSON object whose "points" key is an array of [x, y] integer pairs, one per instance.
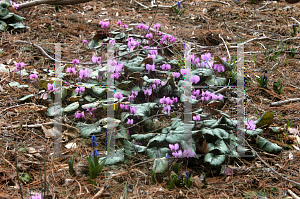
{"points": [[119, 23], [156, 26], [90, 111], [71, 70], [176, 75], [174, 99], [37, 196], [148, 91], [163, 100], [188, 153], [163, 39], [206, 96], [85, 41], [167, 109], [51, 87], [33, 76], [154, 86], [162, 83], [152, 56], [133, 110], [195, 79], [174, 147], [196, 118], [79, 89], [177, 154], [149, 35], [135, 93], [104, 24], [125, 26], [131, 97], [118, 96], [122, 106], [171, 39], [196, 92], [129, 121], [20, 65], [166, 66], [84, 73], [185, 71], [112, 41], [150, 67], [96, 60], [79, 115], [250, 125], [206, 57], [75, 61]]}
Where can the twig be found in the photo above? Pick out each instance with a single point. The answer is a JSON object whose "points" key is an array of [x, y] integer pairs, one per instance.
{"points": [[229, 57], [293, 194], [141, 4], [292, 181], [50, 2], [295, 20], [40, 106], [285, 101], [267, 3], [79, 188], [99, 193]]}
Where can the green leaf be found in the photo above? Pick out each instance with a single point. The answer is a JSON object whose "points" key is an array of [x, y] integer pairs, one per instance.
{"points": [[220, 133], [99, 92], [72, 107], [153, 153], [209, 123], [219, 145], [3, 11], [280, 90], [214, 160], [95, 43], [5, 3], [26, 97], [158, 140], [160, 165], [215, 81], [25, 177], [17, 25], [265, 120], [120, 36], [7, 16], [16, 18], [113, 159], [54, 110], [253, 133], [143, 137], [87, 130], [267, 146]]}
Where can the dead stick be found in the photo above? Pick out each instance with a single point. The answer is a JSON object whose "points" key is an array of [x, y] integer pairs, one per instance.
{"points": [[50, 2], [285, 101]]}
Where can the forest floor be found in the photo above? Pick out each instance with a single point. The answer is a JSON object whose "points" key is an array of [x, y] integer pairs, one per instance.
{"points": [[265, 28]]}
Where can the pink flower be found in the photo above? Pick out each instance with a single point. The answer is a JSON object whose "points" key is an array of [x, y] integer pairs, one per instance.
{"points": [[148, 91], [250, 125], [174, 147], [20, 65], [84, 73], [166, 66], [71, 70], [131, 97], [188, 153], [156, 26], [118, 96], [79, 115], [96, 60], [206, 57], [119, 23], [185, 71], [125, 26], [167, 109], [112, 41], [90, 111], [37, 196], [195, 79], [133, 110], [171, 39], [75, 61], [33, 76], [176, 75], [150, 67], [79, 89], [149, 35], [196, 118], [177, 154], [129, 121], [85, 41], [50, 87]]}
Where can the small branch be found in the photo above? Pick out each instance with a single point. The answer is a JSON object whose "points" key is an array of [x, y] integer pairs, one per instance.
{"points": [[50, 2], [285, 101], [229, 57], [293, 195], [292, 181]]}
